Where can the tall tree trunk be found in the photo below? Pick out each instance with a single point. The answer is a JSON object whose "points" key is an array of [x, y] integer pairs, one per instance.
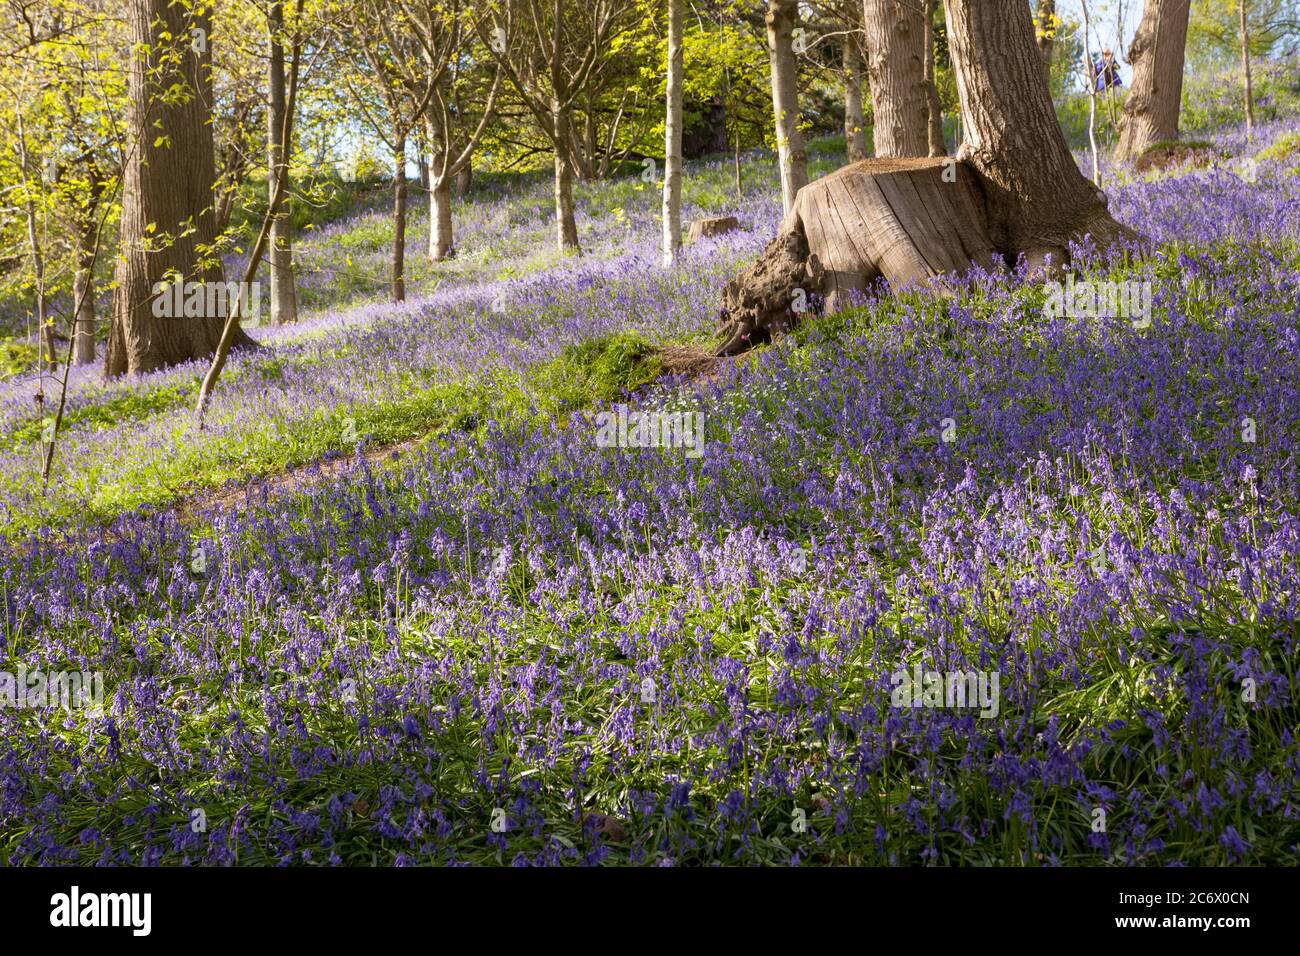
{"points": [[895, 33], [1245, 71], [1151, 110], [284, 298], [464, 177], [399, 220], [566, 226], [1014, 190], [167, 192], [855, 132], [233, 161], [673, 138], [781, 17], [440, 228], [1091, 70], [1045, 24], [935, 129], [83, 293], [1037, 200]]}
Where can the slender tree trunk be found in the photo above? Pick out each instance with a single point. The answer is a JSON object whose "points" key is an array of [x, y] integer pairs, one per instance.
{"points": [[1151, 110], [167, 193], [44, 330], [781, 18], [83, 293], [1091, 72], [464, 177], [1036, 198], [739, 192], [935, 129], [1045, 24], [895, 34], [284, 298], [399, 220], [233, 161], [855, 132], [566, 226], [440, 228], [1245, 71], [673, 138], [422, 165]]}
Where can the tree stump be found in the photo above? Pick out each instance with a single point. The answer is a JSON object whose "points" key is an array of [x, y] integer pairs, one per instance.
{"points": [[906, 220], [713, 226]]}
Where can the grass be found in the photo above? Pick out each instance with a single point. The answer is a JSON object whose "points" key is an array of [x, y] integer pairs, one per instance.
{"points": [[592, 372]]}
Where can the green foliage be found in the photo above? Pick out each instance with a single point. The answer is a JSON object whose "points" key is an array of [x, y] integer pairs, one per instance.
{"points": [[1214, 30], [1282, 149], [598, 370], [15, 356]]}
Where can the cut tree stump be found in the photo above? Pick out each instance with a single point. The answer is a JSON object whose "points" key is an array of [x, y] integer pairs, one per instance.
{"points": [[906, 220], [714, 226]]}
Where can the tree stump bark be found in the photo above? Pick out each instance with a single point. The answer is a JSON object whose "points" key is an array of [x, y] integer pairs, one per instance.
{"points": [[904, 220], [712, 226]]}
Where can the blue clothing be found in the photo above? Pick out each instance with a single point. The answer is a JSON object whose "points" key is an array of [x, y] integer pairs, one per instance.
{"points": [[1107, 74]]}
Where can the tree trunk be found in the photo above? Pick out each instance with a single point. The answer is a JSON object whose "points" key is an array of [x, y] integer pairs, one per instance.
{"points": [[167, 193], [464, 176], [399, 221], [1038, 201], [855, 132], [895, 34], [1151, 110], [906, 220], [740, 193], [566, 226], [440, 229], [1091, 79], [673, 138], [935, 129], [83, 294], [1245, 72], [232, 163], [284, 298], [1045, 24], [1014, 189], [781, 17]]}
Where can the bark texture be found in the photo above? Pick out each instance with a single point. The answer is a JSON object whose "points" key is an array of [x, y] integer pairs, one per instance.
{"points": [[1013, 190], [566, 224], [903, 220], [712, 226], [83, 294], [398, 290], [1036, 198], [167, 193], [895, 37], [284, 298], [1151, 110], [855, 131], [781, 18], [672, 214], [934, 131]]}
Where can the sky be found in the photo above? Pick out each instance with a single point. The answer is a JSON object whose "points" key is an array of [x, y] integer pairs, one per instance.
{"points": [[1105, 16]]}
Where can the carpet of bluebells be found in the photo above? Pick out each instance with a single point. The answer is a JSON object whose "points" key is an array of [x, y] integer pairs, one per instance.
{"points": [[513, 646]]}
